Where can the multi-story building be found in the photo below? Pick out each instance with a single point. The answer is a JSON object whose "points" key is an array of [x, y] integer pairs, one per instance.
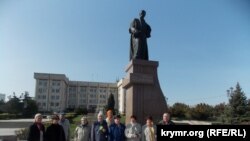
{"points": [[51, 91], [2, 97], [55, 92]]}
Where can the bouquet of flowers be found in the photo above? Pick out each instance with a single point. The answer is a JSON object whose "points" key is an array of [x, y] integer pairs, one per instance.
{"points": [[102, 129]]}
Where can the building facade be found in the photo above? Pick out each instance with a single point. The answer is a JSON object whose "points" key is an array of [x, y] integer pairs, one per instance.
{"points": [[55, 92], [2, 97]]}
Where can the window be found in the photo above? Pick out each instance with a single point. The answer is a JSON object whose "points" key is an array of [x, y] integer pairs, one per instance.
{"points": [[83, 89], [102, 96], [42, 82], [44, 104], [44, 90], [72, 89], [57, 97], [57, 104], [51, 104], [44, 97], [55, 83], [53, 90], [102, 101], [52, 97], [57, 90], [38, 97], [40, 90]]}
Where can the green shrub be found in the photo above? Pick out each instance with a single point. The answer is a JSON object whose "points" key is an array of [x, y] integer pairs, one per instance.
{"points": [[82, 111], [8, 116], [22, 134], [70, 116]]}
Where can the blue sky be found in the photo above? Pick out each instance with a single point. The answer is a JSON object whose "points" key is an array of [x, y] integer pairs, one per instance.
{"points": [[203, 46]]}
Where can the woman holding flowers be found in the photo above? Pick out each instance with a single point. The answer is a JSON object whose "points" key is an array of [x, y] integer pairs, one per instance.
{"points": [[99, 129]]}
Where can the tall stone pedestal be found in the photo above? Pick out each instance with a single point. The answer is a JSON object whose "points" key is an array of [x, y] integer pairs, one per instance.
{"points": [[143, 92]]}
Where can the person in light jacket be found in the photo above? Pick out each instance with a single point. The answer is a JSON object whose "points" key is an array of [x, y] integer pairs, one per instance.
{"points": [[133, 130], [82, 132], [149, 130], [65, 124]]}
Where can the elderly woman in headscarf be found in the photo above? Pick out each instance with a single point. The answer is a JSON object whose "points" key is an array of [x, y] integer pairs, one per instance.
{"points": [[37, 130], [99, 129], [82, 131]]}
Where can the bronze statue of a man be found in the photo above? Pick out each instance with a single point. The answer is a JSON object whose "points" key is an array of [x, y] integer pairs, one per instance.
{"points": [[139, 31]]}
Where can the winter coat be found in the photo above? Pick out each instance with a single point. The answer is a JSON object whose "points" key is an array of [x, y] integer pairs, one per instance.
{"points": [[34, 132], [99, 131], [146, 135], [82, 133], [133, 132], [170, 122], [117, 132], [55, 132]]}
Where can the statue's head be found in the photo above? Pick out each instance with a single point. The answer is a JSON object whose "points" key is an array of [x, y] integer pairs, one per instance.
{"points": [[142, 13]]}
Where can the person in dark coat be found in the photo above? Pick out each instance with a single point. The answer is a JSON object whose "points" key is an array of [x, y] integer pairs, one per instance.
{"points": [[37, 130], [55, 131], [166, 120], [99, 129], [117, 130]]}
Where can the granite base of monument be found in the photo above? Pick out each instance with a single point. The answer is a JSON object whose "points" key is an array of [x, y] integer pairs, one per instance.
{"points": [[143, 92]]}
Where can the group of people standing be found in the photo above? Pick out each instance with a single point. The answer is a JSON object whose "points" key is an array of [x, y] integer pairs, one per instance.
{"points": [[109, 129], [58, 130]]}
